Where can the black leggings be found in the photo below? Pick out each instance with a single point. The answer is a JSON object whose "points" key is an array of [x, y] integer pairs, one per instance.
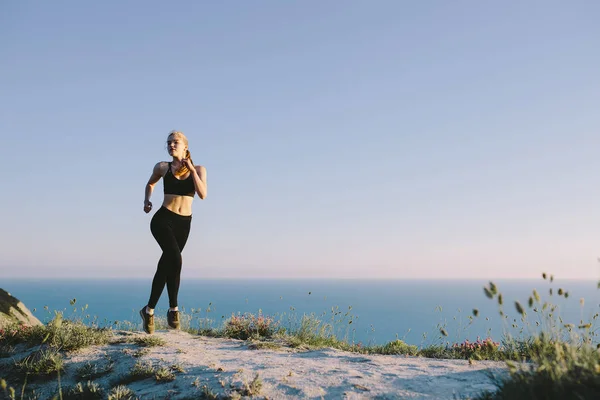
{"points": [[171, 231]]}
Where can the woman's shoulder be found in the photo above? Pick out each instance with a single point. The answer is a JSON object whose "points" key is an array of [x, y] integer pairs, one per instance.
{"points": [[161, 167], [201, 169]]}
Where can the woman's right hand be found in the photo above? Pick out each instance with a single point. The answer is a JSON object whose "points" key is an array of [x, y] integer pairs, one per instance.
{"points": [[147, 206]]}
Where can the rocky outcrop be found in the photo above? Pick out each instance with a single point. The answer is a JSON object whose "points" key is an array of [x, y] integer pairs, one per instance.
{"points": [[12, 310]]}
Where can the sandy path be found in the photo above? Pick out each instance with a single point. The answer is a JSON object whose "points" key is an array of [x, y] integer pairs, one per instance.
{"points": [[226, 366]]}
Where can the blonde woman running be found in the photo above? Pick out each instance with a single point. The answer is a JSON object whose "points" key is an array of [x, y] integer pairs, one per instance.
{"points": [[171, 224]]}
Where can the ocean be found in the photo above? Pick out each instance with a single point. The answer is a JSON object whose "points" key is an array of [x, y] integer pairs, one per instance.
{"points": [[379, 310]]}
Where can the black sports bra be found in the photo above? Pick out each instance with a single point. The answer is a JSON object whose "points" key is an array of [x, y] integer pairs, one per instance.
{"points": [[181, 187]]}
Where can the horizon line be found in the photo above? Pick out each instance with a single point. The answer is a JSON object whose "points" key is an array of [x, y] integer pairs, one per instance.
{"points": [[70, 278]]}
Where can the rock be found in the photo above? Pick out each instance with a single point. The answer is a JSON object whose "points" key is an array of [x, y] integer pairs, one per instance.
{"points": [[12, 310]]}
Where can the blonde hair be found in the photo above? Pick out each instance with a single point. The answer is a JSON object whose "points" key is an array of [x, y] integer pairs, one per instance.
{"points": [[183, 169]]}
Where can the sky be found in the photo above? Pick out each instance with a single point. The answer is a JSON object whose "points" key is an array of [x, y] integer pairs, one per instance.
{"points": [[342, 139]]}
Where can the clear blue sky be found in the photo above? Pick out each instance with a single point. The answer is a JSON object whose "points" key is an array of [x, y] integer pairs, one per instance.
{"points": [[345, 139]]}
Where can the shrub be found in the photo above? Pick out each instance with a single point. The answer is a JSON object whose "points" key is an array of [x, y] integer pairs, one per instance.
{"points": [[249, 326]]}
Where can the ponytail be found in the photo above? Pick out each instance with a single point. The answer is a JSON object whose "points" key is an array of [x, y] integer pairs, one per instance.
{"points": [[188, 155], [183, 169]]}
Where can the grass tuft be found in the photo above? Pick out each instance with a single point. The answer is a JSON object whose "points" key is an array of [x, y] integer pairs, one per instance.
{"points": [[121, 392], [93, 370], [81, 391], [164, 374], [65, 335], [149, 341], [41, 363], [140, 371]]}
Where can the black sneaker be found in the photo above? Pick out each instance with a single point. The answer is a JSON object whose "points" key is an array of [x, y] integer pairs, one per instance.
{"points": [[173, 319], [148, 321]]}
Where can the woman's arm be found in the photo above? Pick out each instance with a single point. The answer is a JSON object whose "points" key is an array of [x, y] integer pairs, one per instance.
{"points": [[199, 175], [155, 177]]}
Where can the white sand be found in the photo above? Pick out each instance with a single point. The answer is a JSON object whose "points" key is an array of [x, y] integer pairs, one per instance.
{"points": [[226, 366]]}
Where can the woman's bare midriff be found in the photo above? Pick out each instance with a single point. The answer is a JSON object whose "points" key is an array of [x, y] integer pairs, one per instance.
{"points": [[181, 205]]}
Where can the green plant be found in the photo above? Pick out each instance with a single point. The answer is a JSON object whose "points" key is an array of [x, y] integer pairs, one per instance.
{"points": [[164, 374], [395, 347], [41, 363], [58, 333], [249, 325], [139, 372], [92, 370], [121, 392], [564, 361], [149, 341], [87, 391], [177, 368]]}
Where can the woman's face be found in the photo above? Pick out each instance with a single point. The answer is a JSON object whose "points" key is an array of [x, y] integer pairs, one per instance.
{"points": [[176, 146]]}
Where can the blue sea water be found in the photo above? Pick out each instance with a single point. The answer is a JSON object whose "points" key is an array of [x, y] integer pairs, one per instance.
{"points": [[380, 310]]}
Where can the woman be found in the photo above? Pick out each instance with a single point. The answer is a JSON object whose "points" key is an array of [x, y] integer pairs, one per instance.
{"points": [[170, 225]]}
